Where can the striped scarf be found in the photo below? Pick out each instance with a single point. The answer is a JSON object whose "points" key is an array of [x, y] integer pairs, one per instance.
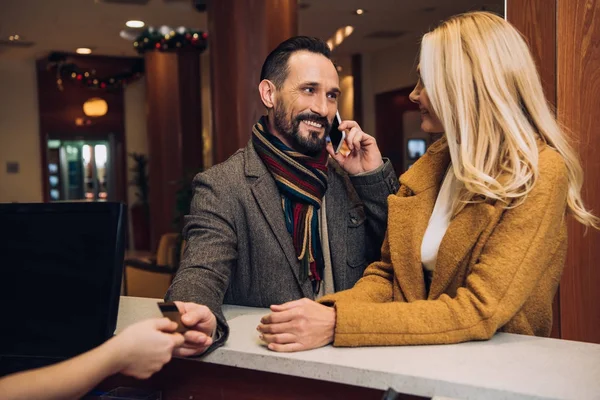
{"points": [[302, 182]]}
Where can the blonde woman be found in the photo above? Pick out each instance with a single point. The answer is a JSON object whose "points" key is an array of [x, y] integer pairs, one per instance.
{"points": [[477, 235]]}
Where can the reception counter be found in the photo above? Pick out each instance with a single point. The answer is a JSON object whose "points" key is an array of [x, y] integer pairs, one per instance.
{"points": [[507, 366]]}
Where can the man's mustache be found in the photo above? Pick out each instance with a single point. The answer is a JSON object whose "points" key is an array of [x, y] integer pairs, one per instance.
{"points": [[314, 117]]}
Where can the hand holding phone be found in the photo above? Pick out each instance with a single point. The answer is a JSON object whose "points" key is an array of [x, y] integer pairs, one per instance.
{"points": [[336, 136], [358, 151]]}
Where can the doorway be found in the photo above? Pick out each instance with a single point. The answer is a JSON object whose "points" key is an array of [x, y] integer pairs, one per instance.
{"points": [[398, 127], [81, 170]]}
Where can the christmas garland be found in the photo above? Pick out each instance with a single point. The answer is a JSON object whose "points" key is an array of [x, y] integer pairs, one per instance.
{"points": [[70, 71], [168, 39], [162, 39]]}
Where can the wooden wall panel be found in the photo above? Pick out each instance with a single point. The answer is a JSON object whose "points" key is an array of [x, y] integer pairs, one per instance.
{"points": [[186, 379], [281, 18], [565, 40], [536, 20], [578, 99]]}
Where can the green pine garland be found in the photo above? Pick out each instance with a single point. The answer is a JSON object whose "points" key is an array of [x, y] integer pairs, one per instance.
{"points": [[167, 39], [67, 70]]}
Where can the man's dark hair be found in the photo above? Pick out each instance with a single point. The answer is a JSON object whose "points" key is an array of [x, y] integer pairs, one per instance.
{"points": [[276, 66]]}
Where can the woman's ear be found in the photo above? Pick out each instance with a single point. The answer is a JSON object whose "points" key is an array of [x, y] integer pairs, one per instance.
{"points": [[266, 88]]}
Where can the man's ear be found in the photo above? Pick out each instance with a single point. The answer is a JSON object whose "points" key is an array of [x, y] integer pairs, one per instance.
{"points": [[266, 88]]}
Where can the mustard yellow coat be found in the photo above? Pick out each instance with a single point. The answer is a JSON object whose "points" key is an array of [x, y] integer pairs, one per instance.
{"points": [[497, 269]]}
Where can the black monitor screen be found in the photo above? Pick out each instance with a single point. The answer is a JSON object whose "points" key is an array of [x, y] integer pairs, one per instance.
{"points": [[60, 268]]}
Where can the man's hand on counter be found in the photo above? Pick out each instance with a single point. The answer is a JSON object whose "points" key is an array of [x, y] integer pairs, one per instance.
{"points": [[298, 325], [201, 324]]}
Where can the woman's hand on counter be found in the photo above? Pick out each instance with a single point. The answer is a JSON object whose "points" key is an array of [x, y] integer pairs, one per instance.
{"points": [[298, 325], [201, 323]]}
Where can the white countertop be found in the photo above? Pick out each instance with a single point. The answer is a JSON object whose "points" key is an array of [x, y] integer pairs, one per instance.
{"points": [[506, 367]]}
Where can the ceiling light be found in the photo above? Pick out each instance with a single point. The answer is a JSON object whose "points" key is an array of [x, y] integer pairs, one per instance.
{"points": [[12, 38], [359, 11], [83, 50], [135, 24], [339, 36]]}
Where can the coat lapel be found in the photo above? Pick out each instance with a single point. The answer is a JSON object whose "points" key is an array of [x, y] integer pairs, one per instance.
{"points": [[408, 217], [269, 201], [337, 225], [462, 234], [407, 222]]}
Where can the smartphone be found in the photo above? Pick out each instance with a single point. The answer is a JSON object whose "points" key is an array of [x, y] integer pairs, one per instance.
{"points": [[335, 135], [171, 311]]}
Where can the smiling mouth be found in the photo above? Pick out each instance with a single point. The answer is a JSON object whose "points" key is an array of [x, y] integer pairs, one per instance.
{"points": [[312, 124]]}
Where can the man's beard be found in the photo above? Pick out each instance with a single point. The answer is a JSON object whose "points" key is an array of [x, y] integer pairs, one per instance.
{"points": [[312, 145]]}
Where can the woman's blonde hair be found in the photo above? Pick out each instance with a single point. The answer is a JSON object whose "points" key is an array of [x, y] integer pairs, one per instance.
{"points": [[484, 87]]}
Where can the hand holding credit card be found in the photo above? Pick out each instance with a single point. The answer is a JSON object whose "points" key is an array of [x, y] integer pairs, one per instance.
{"points": [[197, 324], [171, 311]]}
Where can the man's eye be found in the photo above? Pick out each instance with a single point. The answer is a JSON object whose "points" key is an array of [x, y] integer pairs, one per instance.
{"points": [[333, 96], [309, 90]]}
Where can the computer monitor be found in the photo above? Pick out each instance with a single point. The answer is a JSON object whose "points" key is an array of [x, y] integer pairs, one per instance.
{"points": [[60, 277]]}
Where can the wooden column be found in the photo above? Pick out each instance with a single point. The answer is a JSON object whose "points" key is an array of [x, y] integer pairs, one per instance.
{"points": [[174, 131], [241, 35], [578, 74], [536, 20], [357, 83]]}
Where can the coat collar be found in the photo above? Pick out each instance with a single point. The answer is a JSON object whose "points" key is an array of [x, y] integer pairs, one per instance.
{"points": [[268, 198], [253, 165], [408, 218]]}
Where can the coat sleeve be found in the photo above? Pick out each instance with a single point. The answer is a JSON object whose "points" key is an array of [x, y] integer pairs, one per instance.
{"points": [[210, 253], [373, 190], [514, 258]]}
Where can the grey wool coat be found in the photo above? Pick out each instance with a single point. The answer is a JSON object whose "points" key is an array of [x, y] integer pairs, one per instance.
{"points": [[238, 250]]}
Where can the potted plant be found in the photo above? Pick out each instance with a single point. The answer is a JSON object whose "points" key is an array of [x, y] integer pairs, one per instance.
{"points": [[183, 200]]}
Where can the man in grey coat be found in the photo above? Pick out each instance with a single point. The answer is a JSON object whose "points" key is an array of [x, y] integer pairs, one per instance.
{"points": [[285, 217]]}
